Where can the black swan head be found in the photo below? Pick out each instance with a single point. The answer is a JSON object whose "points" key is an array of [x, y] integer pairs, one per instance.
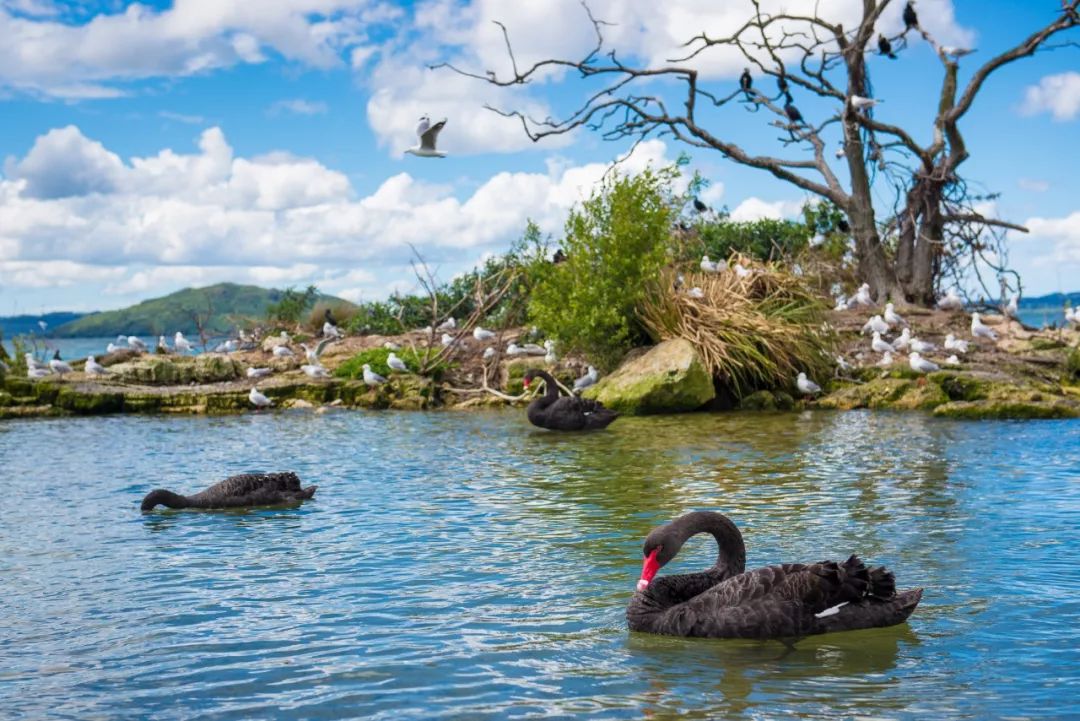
{"points": [[663, 543], [531, 375]]}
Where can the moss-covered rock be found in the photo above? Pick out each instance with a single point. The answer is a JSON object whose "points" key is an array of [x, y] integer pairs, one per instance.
{"points": [[1054, 408], [213, 368], [90, 402], [876, 393], [961, 386], [1072, 365], [6, 399], [153, 370], [669, 378], [767, 401]]}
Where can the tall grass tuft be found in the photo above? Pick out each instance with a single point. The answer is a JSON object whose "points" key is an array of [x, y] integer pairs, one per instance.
{"points": [[752, 333]]}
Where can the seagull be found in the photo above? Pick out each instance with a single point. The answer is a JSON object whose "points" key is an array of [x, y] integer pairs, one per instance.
{"points": [[1072, 315], [707, 265], [956, 344], [313, 354], [315, 371], [881, 346], [93, 368], [328, 316], [33, 364], [921, 365], [371, 377], [862, 296], [489, 353], [37, 372], [954, 52], [841, 303], [258, 372], [1011, 307], [136, 344], [696, 292], [911, 20], [58, 366], [228, 346], [860, 103], [258, 399], [180, 343], [840, 152], [979, 330], [892, 317], [590, 378], [448, 324], [806, 386], [515, 349], [395, 363], [921, 346], [876, 325], [391, 345], [742, 271], [329, 330], [284, 336], [281, 351], [447, 339], [950, 301], [481, 335], [885, 47], [903, 341], [746, 81], [952, 360], [43, 325], [533, 349], [428, 134], [886, 360], [843, 364], [112, 348]]}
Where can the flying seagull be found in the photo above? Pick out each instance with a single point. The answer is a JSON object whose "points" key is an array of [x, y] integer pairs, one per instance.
{"points": [[428, 134], [951, 51]]}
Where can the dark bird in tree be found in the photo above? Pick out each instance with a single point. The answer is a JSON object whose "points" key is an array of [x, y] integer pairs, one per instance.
{"points": [[911, 20], [842, 226], [559, 257], [885, 47], [565, 413], [791, 600], [329, 317], [243, 491], [746, 82], [700, 207], [792, 112]]}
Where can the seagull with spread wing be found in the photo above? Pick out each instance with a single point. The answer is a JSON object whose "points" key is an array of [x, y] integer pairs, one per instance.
{"points": [[428, 134]]}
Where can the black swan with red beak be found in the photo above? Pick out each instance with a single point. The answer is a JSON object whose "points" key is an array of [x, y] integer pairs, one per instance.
{"points": [[565, 413], [788, 600], [246, 490]]}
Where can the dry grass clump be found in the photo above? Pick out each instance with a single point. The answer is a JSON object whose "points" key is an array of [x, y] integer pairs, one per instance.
{"points": [[342, 312], [752, 332]]}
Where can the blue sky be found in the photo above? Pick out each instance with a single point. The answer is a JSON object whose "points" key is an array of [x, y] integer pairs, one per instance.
{"points": [[148, 147]]}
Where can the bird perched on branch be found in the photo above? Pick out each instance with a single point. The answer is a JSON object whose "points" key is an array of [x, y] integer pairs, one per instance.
{"points": [[746, 81], [793, 113], [911, 20], [885, 47]]}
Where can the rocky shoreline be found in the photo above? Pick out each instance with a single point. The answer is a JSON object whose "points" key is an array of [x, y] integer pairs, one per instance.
{"points": [[1024, 374]]}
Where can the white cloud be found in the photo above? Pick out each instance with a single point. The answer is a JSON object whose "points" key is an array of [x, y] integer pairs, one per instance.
{"points": [[299, 106], [182, 117], [1033, 184], [53, 273], [148, 225], [1058, 95], [756, 209], [87, 59], [1064, 233]]}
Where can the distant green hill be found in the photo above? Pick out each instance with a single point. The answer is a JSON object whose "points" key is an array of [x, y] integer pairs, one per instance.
{"points": [[19, 324], [231, 305]]}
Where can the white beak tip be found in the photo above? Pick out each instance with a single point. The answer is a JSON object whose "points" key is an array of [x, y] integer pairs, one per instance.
{"points": [[642, 584]]}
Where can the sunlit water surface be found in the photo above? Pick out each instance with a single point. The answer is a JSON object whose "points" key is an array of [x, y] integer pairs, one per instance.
{"points": [[467, 566]]}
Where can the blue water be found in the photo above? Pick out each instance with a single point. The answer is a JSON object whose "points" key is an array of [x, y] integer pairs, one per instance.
{"points": [[70, 348], [466, 566]]}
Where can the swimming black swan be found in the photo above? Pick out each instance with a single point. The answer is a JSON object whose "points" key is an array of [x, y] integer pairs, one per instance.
{"points": [[788, 600], [249, 489], [566, 413]]}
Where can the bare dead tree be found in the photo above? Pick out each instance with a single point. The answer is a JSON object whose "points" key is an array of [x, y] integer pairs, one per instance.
{"points": [[808, 54], [201, 319]]}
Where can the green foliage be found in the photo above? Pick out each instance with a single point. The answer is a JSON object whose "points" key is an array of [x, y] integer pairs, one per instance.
{"points": [[615, 244], [292, 304], [1072, 365], [376, 358], [232, 304], [765, 239]]}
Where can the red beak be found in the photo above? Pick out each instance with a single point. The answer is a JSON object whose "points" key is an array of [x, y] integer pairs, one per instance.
{"points": [[525, 383], [648, 569]]}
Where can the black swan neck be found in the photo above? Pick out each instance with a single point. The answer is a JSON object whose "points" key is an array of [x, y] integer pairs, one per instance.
{"points": [[731, 550], [551, 388], [164, 498]]}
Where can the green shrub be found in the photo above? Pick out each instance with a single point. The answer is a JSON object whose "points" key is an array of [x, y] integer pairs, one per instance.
{"points": [[376, 358], [1072, 365], [616, 242], [290, 308]]}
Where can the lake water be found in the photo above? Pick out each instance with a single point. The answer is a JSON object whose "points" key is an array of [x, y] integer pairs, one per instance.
{"points": [[466, 566]]}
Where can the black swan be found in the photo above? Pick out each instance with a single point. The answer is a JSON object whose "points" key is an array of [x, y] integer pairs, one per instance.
{"points": [[565, 413], [788, 600], [248, 489]]}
